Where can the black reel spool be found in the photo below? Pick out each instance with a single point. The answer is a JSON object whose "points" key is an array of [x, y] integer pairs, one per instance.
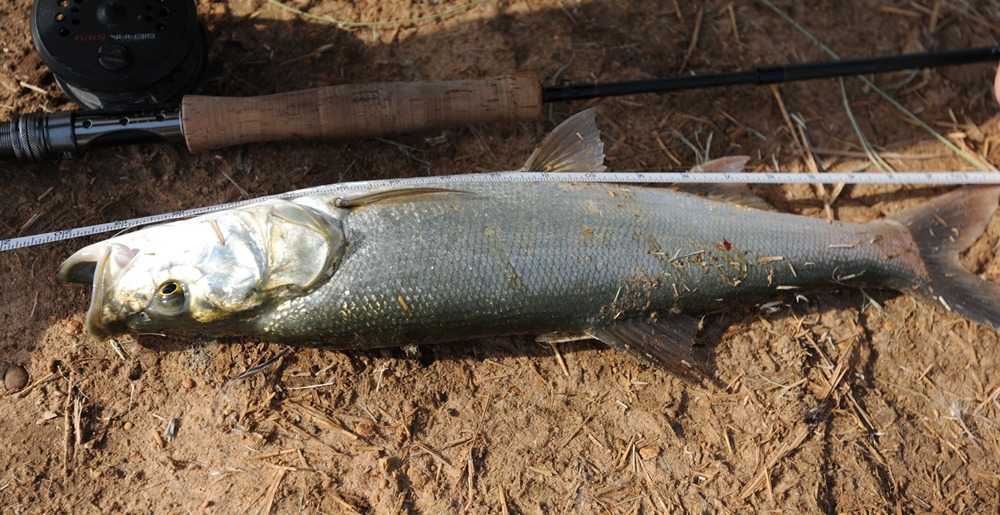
{"points": [[115, 54]]}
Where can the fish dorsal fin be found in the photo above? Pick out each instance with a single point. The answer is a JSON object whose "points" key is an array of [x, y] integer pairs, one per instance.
{"points": [[574, 146], [732, 193], [665, 342], [381, 195]]}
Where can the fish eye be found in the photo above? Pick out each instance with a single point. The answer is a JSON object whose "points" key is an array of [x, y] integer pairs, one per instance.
{"points": [[170, 288], [170, 297]]}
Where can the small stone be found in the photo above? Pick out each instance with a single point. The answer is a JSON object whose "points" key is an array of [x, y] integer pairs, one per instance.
{"points": [[365, 429], [73, 327], [383, 483], [128, 426], [15, 378], [188, 383], [649, 452]]}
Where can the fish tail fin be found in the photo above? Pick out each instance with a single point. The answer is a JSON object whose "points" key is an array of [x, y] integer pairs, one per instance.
{"points": [[942, 229]]}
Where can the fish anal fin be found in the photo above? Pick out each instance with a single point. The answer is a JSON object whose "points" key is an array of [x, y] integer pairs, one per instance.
{"points": [[383, 195], [738, 193], [574, 146], [666, 342]]}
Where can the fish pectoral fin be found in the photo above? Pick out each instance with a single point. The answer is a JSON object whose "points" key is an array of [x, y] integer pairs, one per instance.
{"points": [[739, 194], [574, 146], [301, 246], [666, 342], [371, 197]]}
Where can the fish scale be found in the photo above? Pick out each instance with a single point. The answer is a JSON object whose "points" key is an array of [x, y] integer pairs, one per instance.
{"points": [[462, 265]]}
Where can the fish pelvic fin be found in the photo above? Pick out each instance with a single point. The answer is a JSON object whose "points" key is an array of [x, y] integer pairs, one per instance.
{"points": [[574, 146], [666, 342], [943, 228]]}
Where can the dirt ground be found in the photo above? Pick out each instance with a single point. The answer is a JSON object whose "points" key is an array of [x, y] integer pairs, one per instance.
{"points": [[510, 425]]}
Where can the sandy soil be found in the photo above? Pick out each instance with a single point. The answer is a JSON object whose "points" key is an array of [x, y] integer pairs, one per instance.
{"points": [[511, 426]]}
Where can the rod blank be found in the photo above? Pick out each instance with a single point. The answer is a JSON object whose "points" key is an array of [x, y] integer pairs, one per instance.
{"points": [[776, 74]]}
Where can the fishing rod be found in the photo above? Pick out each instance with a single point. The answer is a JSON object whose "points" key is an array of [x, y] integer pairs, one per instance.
{"points": [[365, 110], [132, 73]]}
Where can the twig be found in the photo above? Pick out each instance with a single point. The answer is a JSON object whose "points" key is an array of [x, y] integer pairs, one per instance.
{"points": [[470, 476], [311, 386], [814, 166], [324, 419], [33, 87], [274, 454], [732, 20], [77, 412], [257, 369], [865, 144], [434, 454], [67, 428], [559, 359], [694, 39], [50, 377], [569, 438], [347, 506], [273, 490], [503, 500], [823, 151], [764, 476]]}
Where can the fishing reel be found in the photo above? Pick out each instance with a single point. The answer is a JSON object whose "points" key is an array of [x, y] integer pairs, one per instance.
{"points": [[128, 62], [117, 54]]}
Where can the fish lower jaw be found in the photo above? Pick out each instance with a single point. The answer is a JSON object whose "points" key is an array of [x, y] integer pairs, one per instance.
{"points": [[97, 328]]}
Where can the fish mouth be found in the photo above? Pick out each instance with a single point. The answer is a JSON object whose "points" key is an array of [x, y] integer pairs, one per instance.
{"points": [[99, 265]]}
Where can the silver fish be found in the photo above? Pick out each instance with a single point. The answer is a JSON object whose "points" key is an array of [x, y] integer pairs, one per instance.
{"points": [[631, 266]]}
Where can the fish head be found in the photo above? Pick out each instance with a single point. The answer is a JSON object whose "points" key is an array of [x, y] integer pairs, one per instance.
{"points": [[208, 275]]}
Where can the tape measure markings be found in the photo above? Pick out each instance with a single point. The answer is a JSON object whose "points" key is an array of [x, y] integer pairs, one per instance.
{"points": [[906, 178]]}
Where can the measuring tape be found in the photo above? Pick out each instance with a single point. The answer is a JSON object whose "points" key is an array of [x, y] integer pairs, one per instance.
{"points": [[938, 178]]}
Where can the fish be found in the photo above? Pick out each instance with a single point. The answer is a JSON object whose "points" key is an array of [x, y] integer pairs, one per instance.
{"points": [[636, 267]]}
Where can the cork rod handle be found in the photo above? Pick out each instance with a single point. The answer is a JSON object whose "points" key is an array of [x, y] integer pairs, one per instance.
{"points": [[357, 110]]}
